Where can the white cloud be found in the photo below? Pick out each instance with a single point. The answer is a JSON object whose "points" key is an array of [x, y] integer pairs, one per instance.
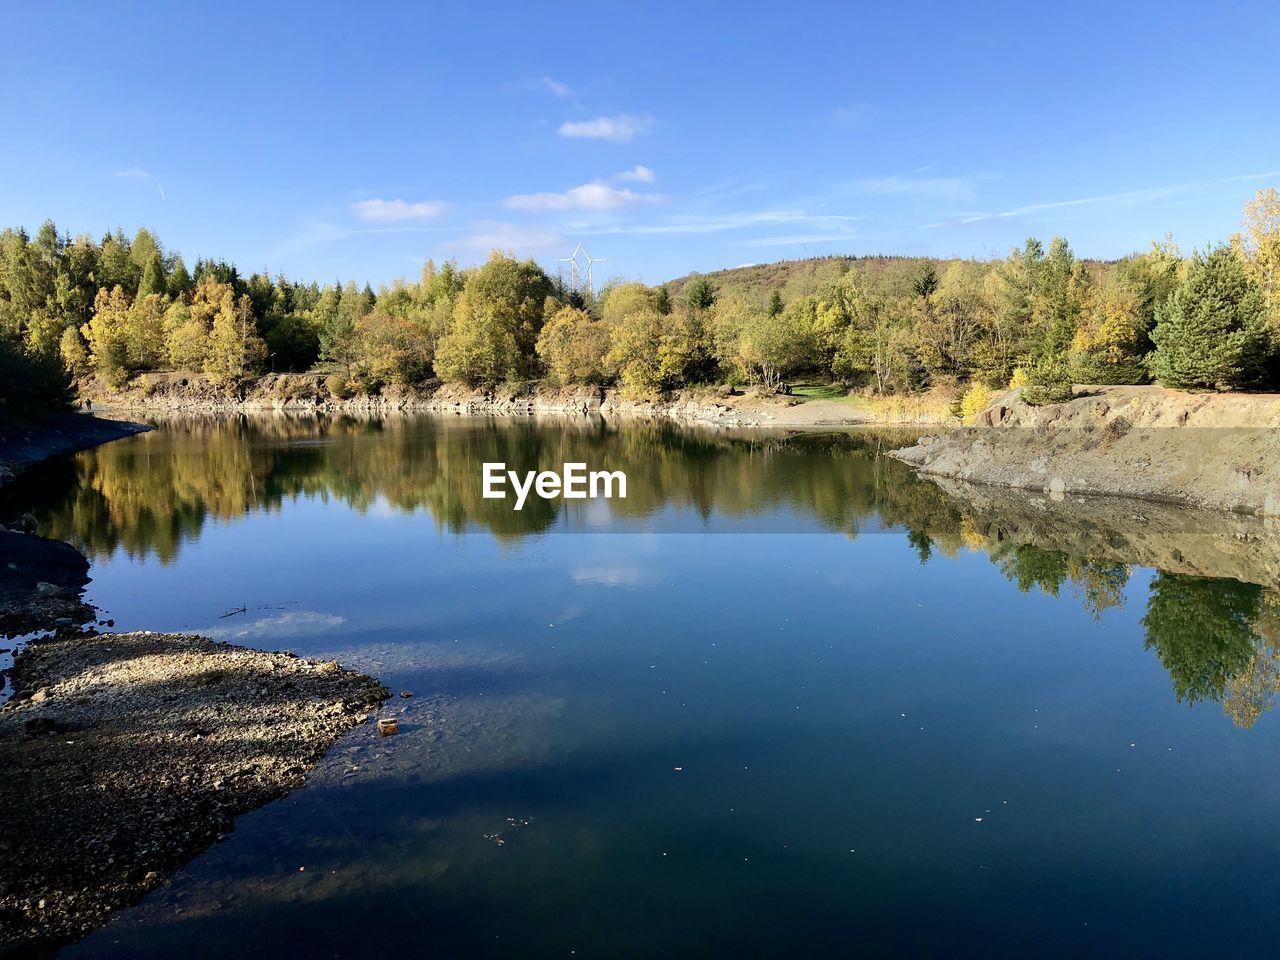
{"points": [[612, 575], [133, 173], [589, 196], [637, 174], [291, 624], [553, 87], [620, 129], [389, 211], [498, 235]]}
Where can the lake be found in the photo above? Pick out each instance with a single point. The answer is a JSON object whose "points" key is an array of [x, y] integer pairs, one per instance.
{"points": [[785, 699]]}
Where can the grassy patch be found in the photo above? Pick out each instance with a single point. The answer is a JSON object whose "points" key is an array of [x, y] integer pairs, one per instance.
{"points": [[819, 391]]}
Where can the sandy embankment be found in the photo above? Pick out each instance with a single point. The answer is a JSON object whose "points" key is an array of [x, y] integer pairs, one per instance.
{"points": [[1218, 451]]}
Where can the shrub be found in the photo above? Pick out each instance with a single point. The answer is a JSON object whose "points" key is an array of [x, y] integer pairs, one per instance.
{"points": [[1048, 381], [338, 385], [976, 399]]}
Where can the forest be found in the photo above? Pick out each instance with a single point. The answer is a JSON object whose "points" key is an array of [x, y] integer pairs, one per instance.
{"points": [[1039, 318]]}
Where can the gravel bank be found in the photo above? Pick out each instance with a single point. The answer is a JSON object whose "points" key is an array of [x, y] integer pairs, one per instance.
{"points": [[125, 755]]}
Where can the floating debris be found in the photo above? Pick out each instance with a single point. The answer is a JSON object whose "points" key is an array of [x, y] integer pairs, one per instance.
{"points": [[388, 726], [496, 838]]}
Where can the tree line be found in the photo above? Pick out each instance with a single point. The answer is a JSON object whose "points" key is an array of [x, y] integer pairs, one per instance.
{"points": [[1039, 318]]}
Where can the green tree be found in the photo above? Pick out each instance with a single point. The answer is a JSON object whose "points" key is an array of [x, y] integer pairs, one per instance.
{"points": [[75, 356], [1212, 331], [1202, 630], [153, 279], [179, 283], [700, 294]]}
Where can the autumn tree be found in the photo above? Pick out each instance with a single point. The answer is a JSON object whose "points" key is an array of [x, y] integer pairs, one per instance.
{"points": [[234, 348], [1261, 245], [494, 337], [107, 338], [573, 345]]}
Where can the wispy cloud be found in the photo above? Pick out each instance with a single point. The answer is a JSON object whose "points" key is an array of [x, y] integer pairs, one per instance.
{"points": [[717, 223], [798, 239], [589, 196], [552, 86], [637, 174], [620, 129], [947, 188], [1122, 198], [391, 211], [498, 235], [137, 173]]}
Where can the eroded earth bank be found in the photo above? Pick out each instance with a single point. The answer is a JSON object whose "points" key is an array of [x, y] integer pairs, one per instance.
{"points": [[1220, 451]]}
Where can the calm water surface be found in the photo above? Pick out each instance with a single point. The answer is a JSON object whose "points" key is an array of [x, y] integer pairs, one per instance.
{"points": [[784, 700]]}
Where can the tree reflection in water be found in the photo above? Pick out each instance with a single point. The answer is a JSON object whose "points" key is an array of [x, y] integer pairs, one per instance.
{"points": [[1212, 618]]}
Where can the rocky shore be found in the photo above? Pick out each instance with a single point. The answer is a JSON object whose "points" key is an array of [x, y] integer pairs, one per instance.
{"points": [[1216, 451], [162, 393], [125, 755]]}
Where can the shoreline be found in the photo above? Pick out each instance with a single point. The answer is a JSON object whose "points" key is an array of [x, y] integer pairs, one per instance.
{"points": [[174, 393]]}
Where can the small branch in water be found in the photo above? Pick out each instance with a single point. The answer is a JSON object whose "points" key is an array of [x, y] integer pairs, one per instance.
{"points": [[232, 613]]}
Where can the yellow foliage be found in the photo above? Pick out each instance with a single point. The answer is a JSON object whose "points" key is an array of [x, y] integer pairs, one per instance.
{"points": [[1019, 378], [976, 399]]}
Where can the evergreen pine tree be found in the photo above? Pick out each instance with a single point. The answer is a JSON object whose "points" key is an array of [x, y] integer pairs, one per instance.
{"points": [[1211, 332]]}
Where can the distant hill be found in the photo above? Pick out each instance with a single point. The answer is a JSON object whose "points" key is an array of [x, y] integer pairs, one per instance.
{"points": [[799, 278]]}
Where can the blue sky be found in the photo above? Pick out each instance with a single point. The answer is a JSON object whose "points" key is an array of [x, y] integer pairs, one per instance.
{"points": [[328, 141]]}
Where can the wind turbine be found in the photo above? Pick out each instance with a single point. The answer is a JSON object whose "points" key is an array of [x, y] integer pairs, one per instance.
{"points": [[577, 270], [591, 262], [572, 260]]}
